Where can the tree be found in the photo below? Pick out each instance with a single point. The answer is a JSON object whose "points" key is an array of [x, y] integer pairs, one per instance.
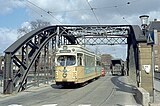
{"points": [[38, 23], [29, 26]]}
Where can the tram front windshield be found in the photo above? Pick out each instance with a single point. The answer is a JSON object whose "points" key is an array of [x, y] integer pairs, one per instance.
{"points": [[66, 60]]}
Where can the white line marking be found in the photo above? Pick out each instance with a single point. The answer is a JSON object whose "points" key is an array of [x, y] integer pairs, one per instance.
{"points": [[84, 105], [50, 105], [14, 105]]}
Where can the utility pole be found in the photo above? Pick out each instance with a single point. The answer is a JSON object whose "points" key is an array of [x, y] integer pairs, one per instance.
{"points": [[153, 66]]}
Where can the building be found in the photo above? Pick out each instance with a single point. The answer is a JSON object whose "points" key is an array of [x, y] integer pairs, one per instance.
{"points": [[1, 64], [106, 60], [156, 25], [145, 58]]}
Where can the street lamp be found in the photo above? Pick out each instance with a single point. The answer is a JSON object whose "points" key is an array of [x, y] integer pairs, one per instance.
{"points": [[144, 21]]}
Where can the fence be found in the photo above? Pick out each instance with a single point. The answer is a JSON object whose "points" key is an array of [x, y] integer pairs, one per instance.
{"points": [[33, 79]]}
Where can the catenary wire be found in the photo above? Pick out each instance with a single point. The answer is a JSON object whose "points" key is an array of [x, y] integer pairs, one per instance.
{"points": [[97, 8], [92, 9], [121, 15], [48, 12], [34, 10]]}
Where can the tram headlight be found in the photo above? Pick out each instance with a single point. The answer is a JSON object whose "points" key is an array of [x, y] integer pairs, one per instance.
{"points": [[74, 74], [56, 74], [73, 49]]}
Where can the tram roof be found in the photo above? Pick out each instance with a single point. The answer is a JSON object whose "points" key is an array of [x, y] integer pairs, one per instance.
{"points": [[78, 48]]}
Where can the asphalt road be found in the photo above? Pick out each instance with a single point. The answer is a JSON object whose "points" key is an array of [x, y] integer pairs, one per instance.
{"points": [[106, 91]]}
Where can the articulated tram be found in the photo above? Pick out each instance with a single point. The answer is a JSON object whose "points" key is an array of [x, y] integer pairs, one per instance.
{"points": [[75, 64]]}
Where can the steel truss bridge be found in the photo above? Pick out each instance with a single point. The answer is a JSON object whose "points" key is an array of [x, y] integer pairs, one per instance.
{"points": [[34, 52]]}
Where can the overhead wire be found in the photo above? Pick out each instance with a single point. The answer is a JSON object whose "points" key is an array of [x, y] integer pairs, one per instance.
{"points": [[48, 12], [128, 3], [120, 5], [34, 10], [37, 12], [25, 3], [96, 8], [116, 7], [92, 9]]}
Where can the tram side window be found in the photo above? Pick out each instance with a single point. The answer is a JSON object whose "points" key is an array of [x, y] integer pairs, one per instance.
{"points": [[89, 60], [85, 60], [79, 59], [98, 63]]}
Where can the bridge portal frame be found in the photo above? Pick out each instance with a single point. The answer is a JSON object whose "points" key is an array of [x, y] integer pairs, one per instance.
{"points": [[33, 42]]}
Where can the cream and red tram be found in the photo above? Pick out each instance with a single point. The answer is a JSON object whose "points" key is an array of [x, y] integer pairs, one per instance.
{"points": [[75, 64]]}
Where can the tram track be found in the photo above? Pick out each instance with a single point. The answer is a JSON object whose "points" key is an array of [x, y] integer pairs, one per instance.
{"points": [[52, 96], [67, 91], [36, 96], [91, 91], [59, 93], [107, 90], [108, 97]]}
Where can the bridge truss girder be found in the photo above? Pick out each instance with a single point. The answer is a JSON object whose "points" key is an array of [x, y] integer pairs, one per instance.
{"points": [[24, 54], [97, 34], [102, 40], [35, 47]]}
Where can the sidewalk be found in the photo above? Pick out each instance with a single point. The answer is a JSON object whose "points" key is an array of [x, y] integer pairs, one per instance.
{"points": [[33, 88], [124, 92], [157, 99], [157, 95]]}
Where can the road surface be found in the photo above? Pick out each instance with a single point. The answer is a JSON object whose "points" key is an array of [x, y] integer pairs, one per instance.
{"points": [[105, 91]]}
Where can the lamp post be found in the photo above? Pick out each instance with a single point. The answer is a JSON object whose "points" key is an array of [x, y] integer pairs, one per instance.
{"points": [[144, 22]]}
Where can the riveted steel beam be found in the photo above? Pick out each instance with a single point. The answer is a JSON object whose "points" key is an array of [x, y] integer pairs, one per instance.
{"points": [[25, 55]]}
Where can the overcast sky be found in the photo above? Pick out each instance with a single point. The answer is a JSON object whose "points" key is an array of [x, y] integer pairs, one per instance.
{"points": [[15, 13]]}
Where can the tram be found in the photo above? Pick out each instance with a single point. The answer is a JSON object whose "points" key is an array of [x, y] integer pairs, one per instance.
{"points": [[74, 64]]}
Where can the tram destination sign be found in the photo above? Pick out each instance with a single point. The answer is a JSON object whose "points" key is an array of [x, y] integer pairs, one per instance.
{"points": [[65, 51]]}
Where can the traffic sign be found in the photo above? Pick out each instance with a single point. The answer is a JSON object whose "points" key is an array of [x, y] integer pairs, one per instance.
{"points": [[152, 37]]}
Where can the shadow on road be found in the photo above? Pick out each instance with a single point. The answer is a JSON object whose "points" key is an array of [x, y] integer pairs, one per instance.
{"points": [[124, 86], [65, 87], [73, 86]]}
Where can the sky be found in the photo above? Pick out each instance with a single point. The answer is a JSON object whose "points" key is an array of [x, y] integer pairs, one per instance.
{"points": [[15, 14]]}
